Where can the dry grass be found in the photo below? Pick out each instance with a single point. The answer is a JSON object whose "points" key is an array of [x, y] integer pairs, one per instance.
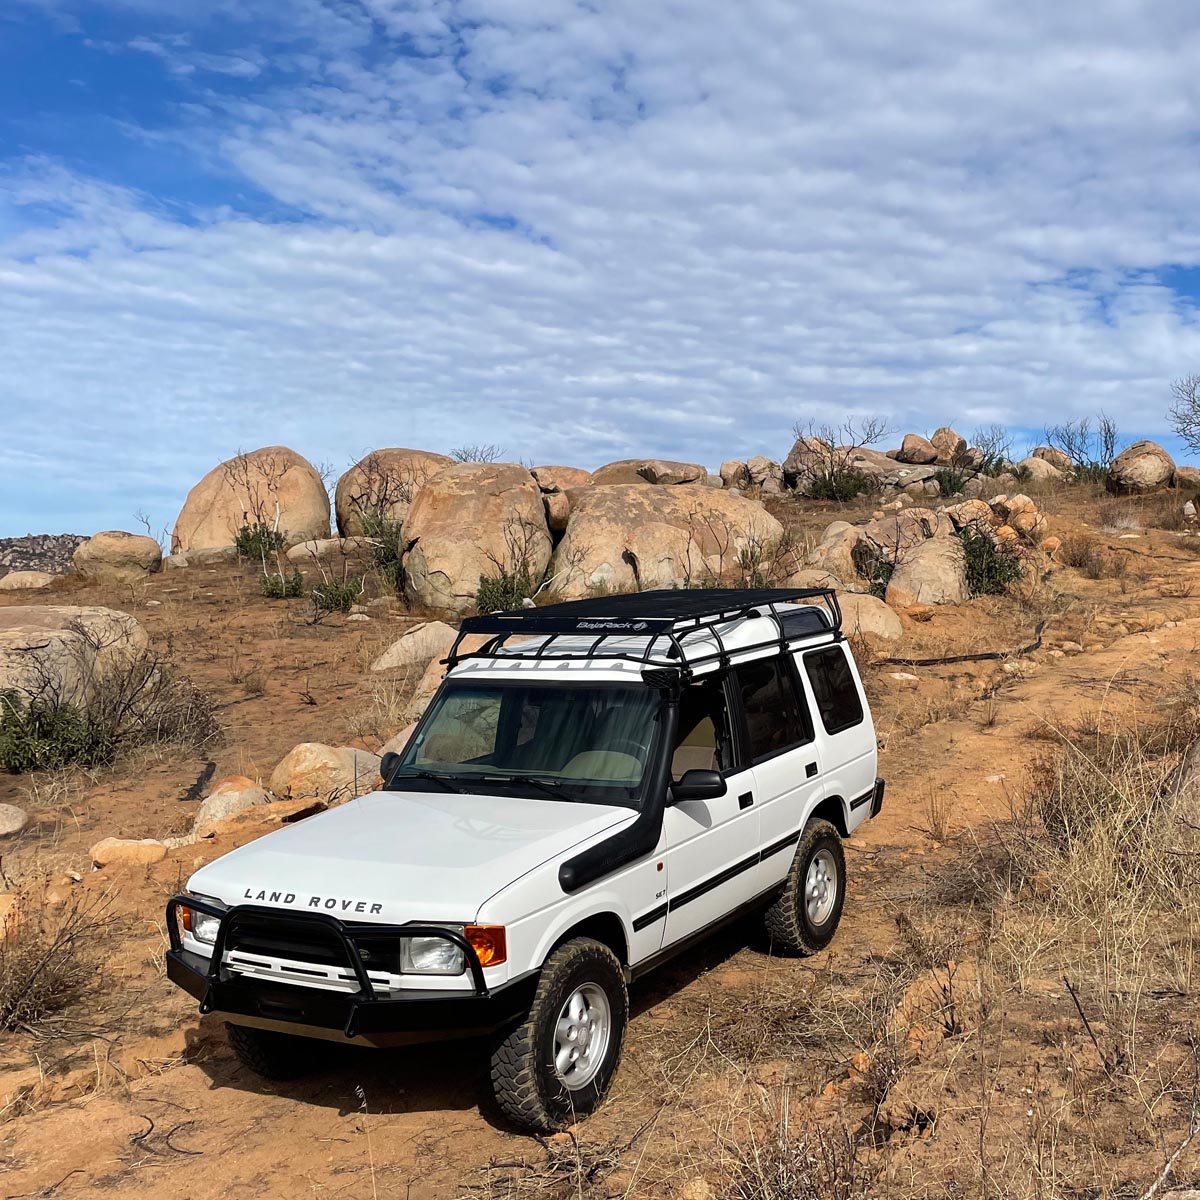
{"points": [[48, 960], [1089, 556]]}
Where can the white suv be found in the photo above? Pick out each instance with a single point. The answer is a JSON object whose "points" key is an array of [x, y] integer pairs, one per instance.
{"points": [[600, 784]]}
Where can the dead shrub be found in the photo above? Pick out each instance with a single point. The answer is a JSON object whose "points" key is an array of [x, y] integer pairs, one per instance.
{"points": [[48, 960], [1091, 557], [826, 1161]]}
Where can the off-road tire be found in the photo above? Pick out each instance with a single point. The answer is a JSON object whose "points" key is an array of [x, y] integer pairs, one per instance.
{"points": [[787, 920], [527, 1087], [272, 1055]]}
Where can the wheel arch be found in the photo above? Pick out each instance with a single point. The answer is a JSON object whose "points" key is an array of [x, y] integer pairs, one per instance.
{"points": [[833, 810], [605, 927]]}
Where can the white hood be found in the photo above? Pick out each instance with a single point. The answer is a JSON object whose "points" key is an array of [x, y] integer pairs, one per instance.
{"points": [[404, 856]]}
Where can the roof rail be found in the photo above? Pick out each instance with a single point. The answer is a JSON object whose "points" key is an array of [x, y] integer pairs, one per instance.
{"points": [[664, 618]]}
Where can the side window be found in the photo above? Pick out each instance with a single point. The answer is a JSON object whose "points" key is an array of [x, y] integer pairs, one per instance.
{"points": [[834, 688], [776, 717], [703, 742]]}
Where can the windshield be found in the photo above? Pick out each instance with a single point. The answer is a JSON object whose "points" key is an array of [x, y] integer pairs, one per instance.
{"points": [[551, 740]]}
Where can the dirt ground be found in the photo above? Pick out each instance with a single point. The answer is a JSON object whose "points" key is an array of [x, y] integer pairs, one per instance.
{"points": [[993, 1091]]}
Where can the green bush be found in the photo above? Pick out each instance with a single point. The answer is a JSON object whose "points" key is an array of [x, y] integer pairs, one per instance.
{"points": [[841, 485], [952, 480], [43, 736], [504, 591], [334, 595], [991, 565], [283, 587], [258, 540], [387, 555]]}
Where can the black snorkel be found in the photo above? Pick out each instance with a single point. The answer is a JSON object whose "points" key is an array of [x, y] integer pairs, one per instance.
{"points": [[642, 836]]}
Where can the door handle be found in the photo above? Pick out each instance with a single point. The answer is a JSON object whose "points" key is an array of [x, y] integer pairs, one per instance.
{"points": [[745, 800], [810, 770]]}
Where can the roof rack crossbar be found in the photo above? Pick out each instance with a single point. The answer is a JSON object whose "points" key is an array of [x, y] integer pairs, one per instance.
{"points": [[673, 616]]}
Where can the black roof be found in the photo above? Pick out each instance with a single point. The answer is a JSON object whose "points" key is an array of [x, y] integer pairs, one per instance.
{"points": [[645, 613]]}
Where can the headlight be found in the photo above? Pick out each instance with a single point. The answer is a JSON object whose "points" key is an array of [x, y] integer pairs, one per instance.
{"points": [[200, 925], [430, 956]]}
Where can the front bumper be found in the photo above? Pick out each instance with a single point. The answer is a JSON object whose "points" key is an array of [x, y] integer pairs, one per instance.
{"points": [[376, 1019]]}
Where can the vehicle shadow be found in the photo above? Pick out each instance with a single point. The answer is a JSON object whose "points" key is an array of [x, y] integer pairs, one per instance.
{"points": [[435, 1077]]}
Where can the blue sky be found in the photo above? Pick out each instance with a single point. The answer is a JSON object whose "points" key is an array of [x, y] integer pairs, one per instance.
{"points": [[581, 231]]}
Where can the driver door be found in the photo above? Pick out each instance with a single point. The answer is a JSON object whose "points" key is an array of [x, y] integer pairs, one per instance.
{"points": [[711, 846]]}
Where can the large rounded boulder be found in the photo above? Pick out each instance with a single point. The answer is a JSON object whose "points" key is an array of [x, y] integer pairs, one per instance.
{"points": [[118, 557], [383, 484], [626, 536], [650, 470], [917, 451], [932, 572], [63, 653], [1144, 467], [274, 486], [470, 521]]}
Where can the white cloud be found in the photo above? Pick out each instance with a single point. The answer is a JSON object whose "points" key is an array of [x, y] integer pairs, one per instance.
{"points": [[589, 231]]}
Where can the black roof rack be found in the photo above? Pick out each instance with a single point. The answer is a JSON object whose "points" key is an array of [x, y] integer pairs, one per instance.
{"points": [[664, 618]]}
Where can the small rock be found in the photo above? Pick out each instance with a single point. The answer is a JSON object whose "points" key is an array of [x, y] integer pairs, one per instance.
{"points": [[905, 679], [229, 797], [122, 852], [1072, 648], [993, 779], [358, 617], [12, 820]]}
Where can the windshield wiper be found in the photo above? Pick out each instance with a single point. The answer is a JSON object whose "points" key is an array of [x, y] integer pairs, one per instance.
{"points": [[543, 785], [447, 781]]}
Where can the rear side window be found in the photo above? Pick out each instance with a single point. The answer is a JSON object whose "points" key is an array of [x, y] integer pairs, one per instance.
{"points": [[776, 716], [834, 689]]}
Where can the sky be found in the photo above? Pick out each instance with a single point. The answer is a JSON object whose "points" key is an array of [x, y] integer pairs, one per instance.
{"points": [[582, 230]]}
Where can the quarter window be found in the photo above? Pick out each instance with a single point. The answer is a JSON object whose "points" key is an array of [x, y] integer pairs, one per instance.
{"points": [[834, 689], [776, 717]]}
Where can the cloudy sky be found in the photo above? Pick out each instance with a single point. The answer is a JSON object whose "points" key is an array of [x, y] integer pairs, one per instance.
{"points": [[580, 229]]}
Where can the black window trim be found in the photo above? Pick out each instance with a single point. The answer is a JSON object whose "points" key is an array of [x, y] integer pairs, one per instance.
{"points": [[862, 708]]}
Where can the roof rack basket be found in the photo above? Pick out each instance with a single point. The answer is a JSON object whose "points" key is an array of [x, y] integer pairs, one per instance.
{"points": [[664, 618]]}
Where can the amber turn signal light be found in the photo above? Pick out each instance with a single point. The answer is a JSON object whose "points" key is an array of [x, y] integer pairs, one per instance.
{"points": [[489, 942]]}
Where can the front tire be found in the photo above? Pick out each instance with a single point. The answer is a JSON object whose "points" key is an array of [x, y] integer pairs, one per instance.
{"points": [[272, 1055], [556, 1066], [805, 917]]}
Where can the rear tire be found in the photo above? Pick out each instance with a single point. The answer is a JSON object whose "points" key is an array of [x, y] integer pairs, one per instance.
{"points": [[805, 917], [556, 1066], [273, 1055]]}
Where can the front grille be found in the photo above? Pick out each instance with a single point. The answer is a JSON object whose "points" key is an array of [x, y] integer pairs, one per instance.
{"points": [[303, 941]]}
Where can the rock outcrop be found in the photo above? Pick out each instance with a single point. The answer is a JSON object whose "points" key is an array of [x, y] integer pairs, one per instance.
{"points": [[49, 552], [917, 451], [118, 557], [274, 486], [627, 536], [649, 470], [384, 483], [1059, 459], [469, 521], [1143, 467]]}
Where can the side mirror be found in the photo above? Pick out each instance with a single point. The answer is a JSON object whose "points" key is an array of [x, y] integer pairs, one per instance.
{"points": [[387, 766], [699, 784]]}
